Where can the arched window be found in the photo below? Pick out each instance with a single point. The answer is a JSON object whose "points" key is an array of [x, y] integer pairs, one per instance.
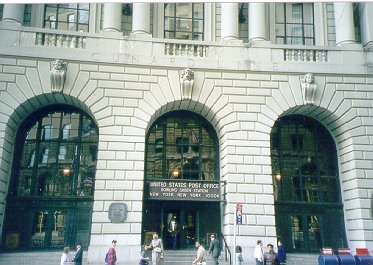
{"points": [[307, 193], [182, 145], [58, 173]]}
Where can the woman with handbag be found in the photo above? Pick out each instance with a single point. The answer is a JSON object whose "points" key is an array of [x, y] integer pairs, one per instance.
{"points": [[157, 250]]}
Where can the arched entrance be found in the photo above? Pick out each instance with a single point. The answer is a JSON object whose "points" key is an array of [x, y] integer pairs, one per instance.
{"points": [[309, 211], [182, 188], [50, 198]]}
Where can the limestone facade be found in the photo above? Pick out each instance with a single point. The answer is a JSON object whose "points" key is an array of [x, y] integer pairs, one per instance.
{"points": [[126, 83]]}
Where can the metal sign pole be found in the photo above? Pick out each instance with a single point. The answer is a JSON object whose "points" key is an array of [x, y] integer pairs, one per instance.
{"points": [[237, 221], [235, 243]]}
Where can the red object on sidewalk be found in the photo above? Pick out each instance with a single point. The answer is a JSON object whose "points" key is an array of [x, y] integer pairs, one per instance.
{"points": [[362, 252]]}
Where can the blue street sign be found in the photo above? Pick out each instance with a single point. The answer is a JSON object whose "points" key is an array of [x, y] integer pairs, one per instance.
{"points": [[239, 214]]}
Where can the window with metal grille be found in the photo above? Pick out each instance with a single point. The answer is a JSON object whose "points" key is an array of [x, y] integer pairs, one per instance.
{"points": [[304, 161], [309, 212], [73, 17], [57, 156], [184, 21], [295, 23], [182, 145]]}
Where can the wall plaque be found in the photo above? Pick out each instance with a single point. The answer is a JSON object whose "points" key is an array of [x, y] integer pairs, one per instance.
{"points": [[184, 190], [118, 212]]}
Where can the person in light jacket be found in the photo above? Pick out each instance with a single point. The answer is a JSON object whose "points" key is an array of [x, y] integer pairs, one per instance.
{"points": [[65, 260], [258, 253], [201, 255], [157, 249]]}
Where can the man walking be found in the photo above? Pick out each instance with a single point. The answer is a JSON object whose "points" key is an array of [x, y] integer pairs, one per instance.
{"points": [[78, 255], [201, 259], [214, 249]]}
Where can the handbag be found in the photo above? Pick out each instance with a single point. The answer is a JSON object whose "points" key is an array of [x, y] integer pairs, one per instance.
{"points": [[158, 250]]}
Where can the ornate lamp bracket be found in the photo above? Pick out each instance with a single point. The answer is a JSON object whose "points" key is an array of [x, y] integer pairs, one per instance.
{"points": [[58, 75]]}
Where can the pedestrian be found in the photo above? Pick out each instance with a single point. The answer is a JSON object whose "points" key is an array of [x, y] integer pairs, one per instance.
{"points": [[157, 250], [258, 253], [143, 258], [201, 255], [78, 255], [214, 249], [65, 260], [111, 256], [281, 253], [270, 257], [239, 258]]}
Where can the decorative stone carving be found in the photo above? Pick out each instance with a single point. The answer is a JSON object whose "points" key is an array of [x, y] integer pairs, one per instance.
{"points": [[58, 75], [187, 81], [309, 88]]}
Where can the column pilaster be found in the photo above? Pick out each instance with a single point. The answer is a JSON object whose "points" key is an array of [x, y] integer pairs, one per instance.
{"points": [[229, 21], [13, 12], [257, 22], [366, 23], [344, 23], [112, 17], [141, 18]]}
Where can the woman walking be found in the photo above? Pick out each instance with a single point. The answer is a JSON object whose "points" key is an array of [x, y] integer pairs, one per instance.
{"points": [[157, 250]]}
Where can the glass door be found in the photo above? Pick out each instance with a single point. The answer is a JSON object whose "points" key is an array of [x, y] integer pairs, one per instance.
{"points": [[181, 229], [305, 232], [173, 224], [48, 229]]}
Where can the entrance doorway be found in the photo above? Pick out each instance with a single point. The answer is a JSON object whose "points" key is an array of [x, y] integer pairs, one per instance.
{"points": [[180, 224], [181, 228]]}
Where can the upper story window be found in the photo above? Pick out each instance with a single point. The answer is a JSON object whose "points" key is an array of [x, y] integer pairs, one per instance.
{"points": [[1, 10], [73, 17], [295, 23], [184, 21], [27, 15]]}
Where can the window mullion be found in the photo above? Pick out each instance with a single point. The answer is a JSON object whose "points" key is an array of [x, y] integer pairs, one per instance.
{"points": [[34, 179], [285, 22], [303, 26]]}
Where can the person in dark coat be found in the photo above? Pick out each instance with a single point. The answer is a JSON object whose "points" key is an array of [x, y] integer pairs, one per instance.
{"points": [[281, 253], [78, 255], [214, 249]]}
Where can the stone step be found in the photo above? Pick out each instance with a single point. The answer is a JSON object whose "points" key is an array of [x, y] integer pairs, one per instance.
{"points": [[185, 257], [172, 257], [182, 257], [304, 259]]}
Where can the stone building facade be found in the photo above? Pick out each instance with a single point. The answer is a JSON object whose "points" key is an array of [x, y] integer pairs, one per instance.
{"points": [[238, 79]]}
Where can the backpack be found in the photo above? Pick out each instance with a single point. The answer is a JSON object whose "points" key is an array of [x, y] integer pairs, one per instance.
{"points": [[106, 257]]}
